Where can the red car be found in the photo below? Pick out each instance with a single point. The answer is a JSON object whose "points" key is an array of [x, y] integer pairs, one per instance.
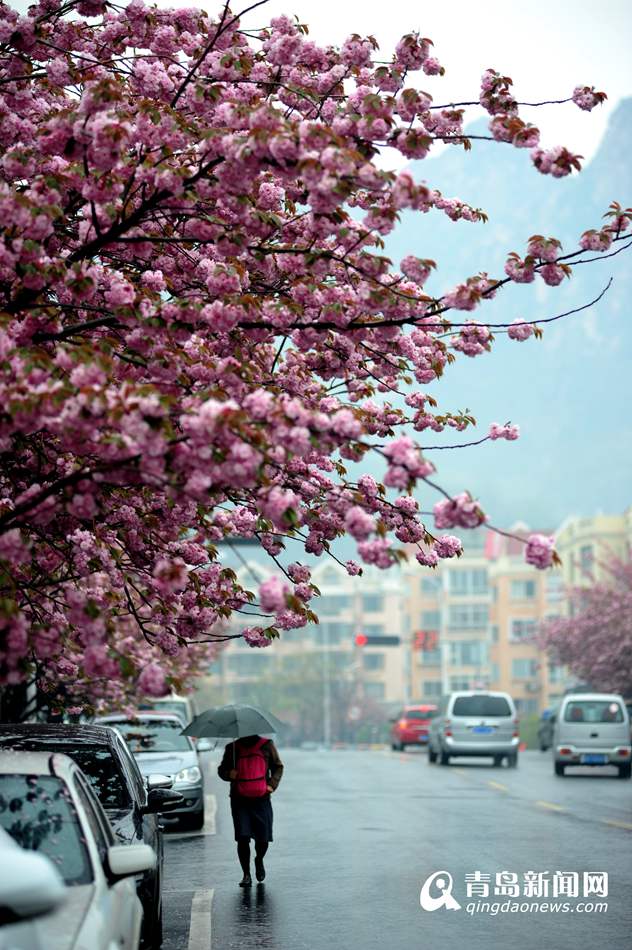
{"points": [[411, 726]]}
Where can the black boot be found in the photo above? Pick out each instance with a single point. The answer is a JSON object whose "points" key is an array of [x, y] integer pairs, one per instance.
{"points": [[246, 880], [260, 871]]}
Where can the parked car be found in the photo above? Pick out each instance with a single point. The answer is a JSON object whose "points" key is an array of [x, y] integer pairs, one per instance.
{"points": [[183, 706], [592, 729], [546, 727], [411, 726], [47, 805], [33, 889], [133, 809], [475, 723], [155, 740]]}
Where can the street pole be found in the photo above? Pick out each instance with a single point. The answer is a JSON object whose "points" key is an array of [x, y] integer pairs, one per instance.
{"points": [[326, 688]]}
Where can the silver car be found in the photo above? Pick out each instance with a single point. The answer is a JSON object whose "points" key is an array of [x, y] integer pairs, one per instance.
{"points": [[592, 729], [155, 740], [475, 723]]}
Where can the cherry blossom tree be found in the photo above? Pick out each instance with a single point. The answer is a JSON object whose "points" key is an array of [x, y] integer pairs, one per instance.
{"points": [[199, 330], [595, 639]]}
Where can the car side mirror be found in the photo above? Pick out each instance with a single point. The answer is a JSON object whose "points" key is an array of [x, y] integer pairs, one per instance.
{"points": [[158, 780], [32, 888], [204, 745], [162, 799], [125, 860]]}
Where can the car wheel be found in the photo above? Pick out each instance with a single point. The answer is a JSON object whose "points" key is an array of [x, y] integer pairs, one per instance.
{"points": [[196, 821], [498, 761], [512, 760], [394, 746], [444, 757], [559, 768], [625, 771], [432, 755], [543, 747]]}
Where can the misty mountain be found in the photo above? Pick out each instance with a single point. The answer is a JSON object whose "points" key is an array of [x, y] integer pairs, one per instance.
{"points": [[570, 392]]}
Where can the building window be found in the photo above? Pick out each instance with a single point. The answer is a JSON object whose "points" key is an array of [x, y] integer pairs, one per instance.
{"points": [[460, 682], [522, 669], [373, 661], [494, 633], [372, 603], [554, 587], [374, 690], [373, 629], [429, 657], [430, 619], [332, 633], [247, 664], [431, 688], [522, 590], [467, 653], [468, 616], [494, 672], [556, 673], [333, 603], [522, 630], [430, 583], [586, 558], [468, 582]]}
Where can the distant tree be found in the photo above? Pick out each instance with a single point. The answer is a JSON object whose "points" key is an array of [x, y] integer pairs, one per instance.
{"points": [[595, 640]]}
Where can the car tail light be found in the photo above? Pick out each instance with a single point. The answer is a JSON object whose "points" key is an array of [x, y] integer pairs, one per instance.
{"points": [[623, 751], [565, 751], [402, 723], [447, 729]]}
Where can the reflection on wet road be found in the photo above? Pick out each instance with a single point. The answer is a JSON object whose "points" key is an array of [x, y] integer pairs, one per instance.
{"points": [[358, 832]]}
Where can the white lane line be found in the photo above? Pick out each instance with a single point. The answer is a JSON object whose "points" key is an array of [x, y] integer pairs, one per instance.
{"points": [[200, 934], [210, 812]]}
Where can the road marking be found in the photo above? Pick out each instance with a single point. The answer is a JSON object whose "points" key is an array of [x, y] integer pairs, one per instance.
{"points": [[499, 786], [458, 771], [550, 806], [200, 929], [210, 812], [618, 824]]}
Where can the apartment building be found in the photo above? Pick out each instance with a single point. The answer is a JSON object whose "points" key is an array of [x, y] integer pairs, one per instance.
{"points": [[585, 543], [372, 604], [522, 600]]}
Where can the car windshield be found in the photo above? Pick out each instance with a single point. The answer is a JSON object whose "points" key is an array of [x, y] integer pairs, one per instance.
{"points": [[420, 713], [97, 762], [593, 710], [38, 813], [161, 736], [481, 706]]}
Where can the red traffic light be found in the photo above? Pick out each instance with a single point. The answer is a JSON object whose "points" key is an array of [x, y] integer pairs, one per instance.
{"points": [[361, 639]]}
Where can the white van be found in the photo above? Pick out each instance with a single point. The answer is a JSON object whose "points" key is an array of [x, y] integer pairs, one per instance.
{"points": [[592, 729]]}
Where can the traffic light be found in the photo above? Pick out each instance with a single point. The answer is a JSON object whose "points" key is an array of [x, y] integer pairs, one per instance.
{"points": [[362, 640], [425, 640]]}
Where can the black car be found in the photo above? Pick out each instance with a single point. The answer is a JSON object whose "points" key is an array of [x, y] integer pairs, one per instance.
{"points": [[134, 812], [546, 727]]}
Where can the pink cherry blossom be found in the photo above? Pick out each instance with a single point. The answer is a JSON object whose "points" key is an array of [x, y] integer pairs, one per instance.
{"points": [[540, 550]]}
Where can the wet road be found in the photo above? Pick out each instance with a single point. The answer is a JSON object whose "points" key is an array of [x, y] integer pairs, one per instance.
{"points": [[358, 832]]}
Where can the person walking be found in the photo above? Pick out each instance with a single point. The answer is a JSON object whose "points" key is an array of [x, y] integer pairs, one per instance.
{"points": [[252, 766]]}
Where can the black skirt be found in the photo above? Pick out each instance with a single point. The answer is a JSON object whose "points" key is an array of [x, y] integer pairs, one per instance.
{"points": [[252, 817]]}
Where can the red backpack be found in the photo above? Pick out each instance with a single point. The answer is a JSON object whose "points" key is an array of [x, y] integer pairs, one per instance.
{"points": [[252, 770]]}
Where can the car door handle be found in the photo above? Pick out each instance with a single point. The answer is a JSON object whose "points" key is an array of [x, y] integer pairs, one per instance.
{"points": [[594, 735]]}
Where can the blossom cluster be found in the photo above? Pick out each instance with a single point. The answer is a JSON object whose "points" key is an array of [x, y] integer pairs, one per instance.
{"points": [[199, 330]]}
